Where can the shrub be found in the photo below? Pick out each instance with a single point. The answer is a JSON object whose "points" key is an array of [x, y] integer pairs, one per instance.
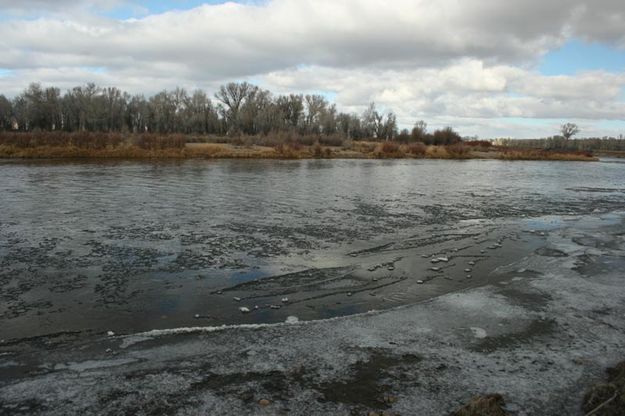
{"points": [[149, 141], [404, 136], [446, 136], [478, 143], [317, 150], [390, 148], [306, 140], [333, 140], [83, 140], [417, 149], [457, 150], [365, 147]]}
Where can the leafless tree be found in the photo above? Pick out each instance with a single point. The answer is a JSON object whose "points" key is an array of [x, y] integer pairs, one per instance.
{"points": [[233, 95], [569, 130]]}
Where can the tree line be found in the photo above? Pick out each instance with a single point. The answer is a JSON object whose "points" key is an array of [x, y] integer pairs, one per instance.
{"points": [[596, 144], [236, 108]]}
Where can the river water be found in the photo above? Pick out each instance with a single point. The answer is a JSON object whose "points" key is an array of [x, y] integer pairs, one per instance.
{"points": [[131, 246]]}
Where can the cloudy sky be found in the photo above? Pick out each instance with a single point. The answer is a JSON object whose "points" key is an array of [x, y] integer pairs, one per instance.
{"points": [[493, 68]]}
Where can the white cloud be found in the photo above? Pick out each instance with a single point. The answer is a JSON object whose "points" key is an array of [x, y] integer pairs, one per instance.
{"points": [[466, 88], [421, 58]]}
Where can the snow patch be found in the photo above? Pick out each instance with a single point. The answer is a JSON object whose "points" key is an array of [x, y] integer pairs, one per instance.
{"points": [[479, 333]]}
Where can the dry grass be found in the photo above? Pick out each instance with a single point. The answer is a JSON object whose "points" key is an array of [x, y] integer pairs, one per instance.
{"points": [[389, 150], [279, 146], [490, 405], [416, 149], [535, 154], [437, 152], [607, 399]]}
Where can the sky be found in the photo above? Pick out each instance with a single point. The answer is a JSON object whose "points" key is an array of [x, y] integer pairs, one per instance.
{"points": [[491, 68]]}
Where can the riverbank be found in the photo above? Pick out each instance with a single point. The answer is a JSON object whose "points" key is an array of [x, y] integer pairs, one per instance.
{"points": [[355, 150], [541, 335]]}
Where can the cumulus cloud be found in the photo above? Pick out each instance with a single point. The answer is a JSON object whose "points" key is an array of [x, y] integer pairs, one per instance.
{"points": [[68, 7], [420, 58], [235, 39], [465, 89]]}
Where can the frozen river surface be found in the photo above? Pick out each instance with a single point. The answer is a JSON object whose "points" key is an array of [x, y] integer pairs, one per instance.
{"points": [[88, 247]]}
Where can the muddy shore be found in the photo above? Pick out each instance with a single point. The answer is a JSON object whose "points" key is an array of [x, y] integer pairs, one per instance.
{"points": [[540, 333]]}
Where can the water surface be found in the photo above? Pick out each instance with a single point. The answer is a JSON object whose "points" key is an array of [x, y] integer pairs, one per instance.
{"points": [[131, 246]]}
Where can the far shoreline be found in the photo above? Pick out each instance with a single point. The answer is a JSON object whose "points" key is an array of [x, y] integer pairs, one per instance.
{"points": [[356, 150]]}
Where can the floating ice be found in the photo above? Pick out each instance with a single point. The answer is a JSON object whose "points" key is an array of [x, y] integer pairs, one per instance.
{"points": [[478, 332]]}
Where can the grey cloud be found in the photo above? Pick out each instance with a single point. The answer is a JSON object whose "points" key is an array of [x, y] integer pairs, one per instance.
{"points": [[418, 58], [237, 40]]}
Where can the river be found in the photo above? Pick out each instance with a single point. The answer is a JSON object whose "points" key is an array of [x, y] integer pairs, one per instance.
{"points": [[127, 246]]}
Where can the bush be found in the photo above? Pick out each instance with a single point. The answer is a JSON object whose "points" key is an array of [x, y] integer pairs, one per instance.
{"points": [[446, 136], [149, 141], [390, 148], [83, 140], [317, 150], [306, 140], [333, 140], [365, 147], [457, 150], [478, 143], [420, 135], [417, 149], [404, 136]]}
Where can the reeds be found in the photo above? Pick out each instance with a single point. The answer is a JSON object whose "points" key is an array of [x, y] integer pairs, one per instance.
{"points": [[537, 154], [283, 145]]}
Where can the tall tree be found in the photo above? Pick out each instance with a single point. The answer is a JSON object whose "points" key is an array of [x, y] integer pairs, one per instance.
{"points": [[6, 113], [315, 106], [569, 130], [233, 95]]}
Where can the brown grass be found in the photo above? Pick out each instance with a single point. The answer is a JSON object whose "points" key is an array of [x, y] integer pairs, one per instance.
{"points": [[417, 149], [277, 146], [607, 399], [536, 154], [490, 405], [388, 150], [437, 152]]}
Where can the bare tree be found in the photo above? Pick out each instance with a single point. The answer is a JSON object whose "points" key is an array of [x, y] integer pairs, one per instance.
{"points": [[292, 107], [373, 122], [315, 107], [137, 114], [569, 130], [233, 95], [6, 113], [241, 108], [389, 128], [419, 131]]}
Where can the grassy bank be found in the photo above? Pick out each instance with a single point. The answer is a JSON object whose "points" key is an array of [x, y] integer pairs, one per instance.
{"points": [[103, 145]]}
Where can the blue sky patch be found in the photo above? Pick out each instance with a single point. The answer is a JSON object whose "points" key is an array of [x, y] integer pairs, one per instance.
{"points": [[577, 56], [138, 9]]}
